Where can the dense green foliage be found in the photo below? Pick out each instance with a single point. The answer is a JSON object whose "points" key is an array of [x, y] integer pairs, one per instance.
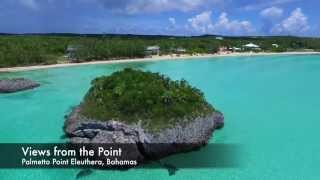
{"points": [[23, 50], [132, 95]]}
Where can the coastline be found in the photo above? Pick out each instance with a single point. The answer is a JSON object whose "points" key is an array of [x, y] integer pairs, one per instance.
{"points": [[155, 58]]}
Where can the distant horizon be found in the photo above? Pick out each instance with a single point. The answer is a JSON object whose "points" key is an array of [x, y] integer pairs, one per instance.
{"points": [[163, 35]]}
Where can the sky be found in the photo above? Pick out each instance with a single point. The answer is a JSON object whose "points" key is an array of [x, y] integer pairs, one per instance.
{"points": [[162, 17]]}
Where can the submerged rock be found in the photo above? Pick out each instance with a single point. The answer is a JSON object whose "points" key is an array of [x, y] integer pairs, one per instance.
{"points": [[17, 84], [84, 173], [171, 169]]}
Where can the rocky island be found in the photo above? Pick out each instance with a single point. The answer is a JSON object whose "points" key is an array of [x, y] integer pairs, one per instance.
{"points": [[155, 115], [17, 84]]}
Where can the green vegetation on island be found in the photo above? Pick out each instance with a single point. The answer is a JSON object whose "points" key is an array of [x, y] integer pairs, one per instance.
{"points": [[26, 50], [131, 96]]}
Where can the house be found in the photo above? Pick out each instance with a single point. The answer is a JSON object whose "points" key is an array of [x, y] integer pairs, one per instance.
{"points": [[275, 45], [223, 50], [236, 49], [152, 50], [180, 50], [219, 38], [71, 51], [252, 46]]}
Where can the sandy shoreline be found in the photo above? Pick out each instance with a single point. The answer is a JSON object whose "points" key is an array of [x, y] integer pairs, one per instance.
{"points": [[158, 58]]}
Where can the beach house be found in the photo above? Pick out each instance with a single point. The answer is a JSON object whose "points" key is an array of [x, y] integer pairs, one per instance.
{"points": [[219, 38], [236, 49], [251, 47], [152, 50], [71, 51], [180, 50]]}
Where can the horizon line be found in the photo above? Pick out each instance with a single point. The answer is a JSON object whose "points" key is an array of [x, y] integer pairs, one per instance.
{"points": [[160, 35]]}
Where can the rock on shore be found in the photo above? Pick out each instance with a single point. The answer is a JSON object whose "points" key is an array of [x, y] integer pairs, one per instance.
{"points": [[17, 84], [144, 145]]}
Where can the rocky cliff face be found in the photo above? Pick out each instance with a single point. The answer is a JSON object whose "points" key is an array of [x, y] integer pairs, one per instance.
{"points": [[18, 84], [144, 145]]}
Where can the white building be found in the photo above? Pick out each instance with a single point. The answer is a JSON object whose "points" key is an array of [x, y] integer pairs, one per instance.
{"points": [[152, 50], [252, 46], [236, 49], [180, 50], [71, 51]]}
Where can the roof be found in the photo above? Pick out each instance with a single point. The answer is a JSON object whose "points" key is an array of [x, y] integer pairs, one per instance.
{"points": [[152, 48], [180, 49], [251, 45]]}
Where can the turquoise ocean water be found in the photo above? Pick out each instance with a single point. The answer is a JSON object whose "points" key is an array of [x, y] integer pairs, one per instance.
{"points": [[271, 106]]}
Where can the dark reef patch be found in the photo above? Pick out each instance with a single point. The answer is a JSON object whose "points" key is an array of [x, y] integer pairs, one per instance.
{"points": [[17, 84]]}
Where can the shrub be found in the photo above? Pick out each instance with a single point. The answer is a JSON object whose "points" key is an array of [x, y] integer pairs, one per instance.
{"points": [[131, 96]]}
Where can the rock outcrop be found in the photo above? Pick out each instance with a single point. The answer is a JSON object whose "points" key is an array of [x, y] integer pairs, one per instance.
{"points": [[18, 84], [144, 145], [219, 120], [147, 114]]}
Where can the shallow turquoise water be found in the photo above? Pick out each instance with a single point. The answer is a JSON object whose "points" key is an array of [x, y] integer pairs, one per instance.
{"points": [[271, 106]]}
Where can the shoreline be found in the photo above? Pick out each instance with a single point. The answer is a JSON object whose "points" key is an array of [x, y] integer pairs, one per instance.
{"points": [[157, 58]]}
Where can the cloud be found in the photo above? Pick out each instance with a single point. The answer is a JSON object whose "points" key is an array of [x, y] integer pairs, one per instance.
{"points": [[32, 4], [296, 23], [270, 16], [203, 24], [154, 6], [172, 24], [264, 4], [172, 21], [174, 28], [272, 13], [232, 27]]}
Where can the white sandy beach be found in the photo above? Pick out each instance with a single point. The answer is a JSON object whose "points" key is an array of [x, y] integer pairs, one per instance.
{"points": [[154, 58]]}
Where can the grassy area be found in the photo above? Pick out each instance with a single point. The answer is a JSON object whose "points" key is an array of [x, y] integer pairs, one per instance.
{"points": [[131, 96]]}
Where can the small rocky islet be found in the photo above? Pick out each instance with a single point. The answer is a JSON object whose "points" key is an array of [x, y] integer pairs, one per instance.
{"points": [[16, 84], [154, 114]]}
